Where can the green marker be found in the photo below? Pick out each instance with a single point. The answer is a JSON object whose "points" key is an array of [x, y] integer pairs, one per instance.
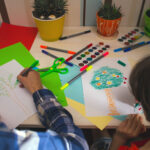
{"points": [[29, 69], [121, 63]]}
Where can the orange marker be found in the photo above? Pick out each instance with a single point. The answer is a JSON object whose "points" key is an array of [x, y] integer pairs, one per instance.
{"points": [[57, 49]]}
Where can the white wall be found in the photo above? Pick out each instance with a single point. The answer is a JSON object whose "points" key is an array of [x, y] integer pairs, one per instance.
{"points": [[20, 12], [130, 10], [147, 6]]}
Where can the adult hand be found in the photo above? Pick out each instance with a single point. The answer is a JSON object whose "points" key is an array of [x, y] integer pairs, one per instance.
{"points": [[31, 82], [131, 127]]}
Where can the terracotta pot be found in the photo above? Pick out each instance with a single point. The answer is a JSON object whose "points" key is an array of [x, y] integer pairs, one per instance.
{"points": [[107, 27]]}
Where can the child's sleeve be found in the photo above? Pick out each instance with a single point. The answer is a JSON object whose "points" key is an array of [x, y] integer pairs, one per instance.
{"points": [[53, 116]]}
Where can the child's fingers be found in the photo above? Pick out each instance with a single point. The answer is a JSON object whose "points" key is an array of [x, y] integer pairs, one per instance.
{"points": [[130, 121], [139, 126], [135, 121]]}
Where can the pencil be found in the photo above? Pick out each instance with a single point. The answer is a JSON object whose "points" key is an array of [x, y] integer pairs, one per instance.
{"points": [[86, 68], [73, 35], [57, 49], [53, 56], [80, 51]]}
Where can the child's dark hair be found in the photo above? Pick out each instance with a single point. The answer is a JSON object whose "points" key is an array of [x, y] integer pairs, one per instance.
{"points": [[140, 84]]}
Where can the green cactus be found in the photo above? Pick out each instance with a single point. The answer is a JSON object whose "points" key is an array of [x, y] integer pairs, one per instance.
{"points": [[46, 8], [109, 11]]}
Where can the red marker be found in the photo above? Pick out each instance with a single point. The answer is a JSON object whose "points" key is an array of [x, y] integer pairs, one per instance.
{"points": [[57, 49], [80, 51]]}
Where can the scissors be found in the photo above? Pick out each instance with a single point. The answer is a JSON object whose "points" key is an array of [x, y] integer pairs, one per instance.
{"points": [[54, 68]]}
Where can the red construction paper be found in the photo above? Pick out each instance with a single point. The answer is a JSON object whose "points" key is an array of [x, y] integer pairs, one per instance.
{"points": [[11, 34]]}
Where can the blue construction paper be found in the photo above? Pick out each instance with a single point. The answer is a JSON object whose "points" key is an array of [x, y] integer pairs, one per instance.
{"points": [[75, 90]]}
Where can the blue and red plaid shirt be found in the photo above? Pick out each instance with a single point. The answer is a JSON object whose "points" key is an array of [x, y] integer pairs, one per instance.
{"points": [[61, 134]]}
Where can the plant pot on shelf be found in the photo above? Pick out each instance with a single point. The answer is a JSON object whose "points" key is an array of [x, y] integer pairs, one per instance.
{"points": [[50, 30], [107, 27], [147, 22]]}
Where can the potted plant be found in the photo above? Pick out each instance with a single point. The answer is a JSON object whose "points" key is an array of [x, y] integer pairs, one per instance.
{"points": [[108, 19], [147, 22], [49, 17]]}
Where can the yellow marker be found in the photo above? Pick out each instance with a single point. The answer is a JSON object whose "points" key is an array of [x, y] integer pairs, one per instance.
{"points": [[89, 68], [64, 86]]}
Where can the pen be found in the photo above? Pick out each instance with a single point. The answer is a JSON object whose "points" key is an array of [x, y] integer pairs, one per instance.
{"points": [[53, 56], [57, 49], [137, 46], [83, 70], [123, 48], [73, 35]]}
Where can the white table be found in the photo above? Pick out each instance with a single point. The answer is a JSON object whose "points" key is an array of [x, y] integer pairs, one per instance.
{"points": [[76, 44]]}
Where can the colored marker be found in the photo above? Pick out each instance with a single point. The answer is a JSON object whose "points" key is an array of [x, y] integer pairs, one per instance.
{"points": [[53, 56], [73, 35], [57, 49], [87, 68], [121, 63], [30, 68], [137, 46], [80, 51], [123, 48]]}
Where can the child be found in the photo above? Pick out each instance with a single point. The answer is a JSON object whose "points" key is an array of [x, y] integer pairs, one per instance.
{"points": [[130, 128]]}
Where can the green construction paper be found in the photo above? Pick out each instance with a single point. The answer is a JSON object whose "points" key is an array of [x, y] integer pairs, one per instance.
{"points": [[54, 84], [17, 52], [23, 57]]}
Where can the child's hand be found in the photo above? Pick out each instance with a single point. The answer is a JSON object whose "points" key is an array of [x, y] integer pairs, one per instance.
{"points": [[31, 82], [131, 127]]}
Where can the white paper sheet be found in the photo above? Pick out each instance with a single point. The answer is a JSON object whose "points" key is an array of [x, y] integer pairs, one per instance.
{"points": [[16, 104], [98, 102]]}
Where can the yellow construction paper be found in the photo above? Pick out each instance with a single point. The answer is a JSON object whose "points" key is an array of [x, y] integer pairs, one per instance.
{"points": [[100, 122]]}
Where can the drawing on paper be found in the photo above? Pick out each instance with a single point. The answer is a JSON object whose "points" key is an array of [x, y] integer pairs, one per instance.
{"points": [[111, 104], [107, 77], [6, 85], [6, 89]]}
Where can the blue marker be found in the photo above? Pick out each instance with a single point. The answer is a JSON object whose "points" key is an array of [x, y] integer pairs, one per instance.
{"points": [[53, 56], [137, 46], [123, 48]]}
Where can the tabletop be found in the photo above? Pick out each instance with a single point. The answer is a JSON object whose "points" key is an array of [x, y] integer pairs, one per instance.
{"points": [[75, 44]]}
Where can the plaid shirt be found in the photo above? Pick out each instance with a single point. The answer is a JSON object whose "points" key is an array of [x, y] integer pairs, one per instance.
{"points": [[62, 134]]}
